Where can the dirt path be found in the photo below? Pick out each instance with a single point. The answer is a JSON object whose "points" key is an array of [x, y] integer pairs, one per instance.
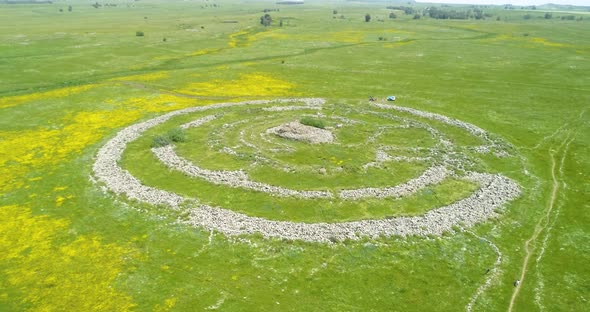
{"points": [[543, 222], [493, 274]]}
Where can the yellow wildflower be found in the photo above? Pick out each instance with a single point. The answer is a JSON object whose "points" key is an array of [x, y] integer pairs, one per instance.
{"points": [[167, 306], [548, 43], [255, 84], [162, 103], [204, 52], [57, 93], [53, 276], [144, 77], [240, 37], [24, 151], [59, 200]]}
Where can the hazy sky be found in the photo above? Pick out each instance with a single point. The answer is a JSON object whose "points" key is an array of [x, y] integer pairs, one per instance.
{"points": [[515, 2]]}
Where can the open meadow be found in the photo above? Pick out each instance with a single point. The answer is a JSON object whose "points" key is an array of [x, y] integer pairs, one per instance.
{"points": [[224, 155]]}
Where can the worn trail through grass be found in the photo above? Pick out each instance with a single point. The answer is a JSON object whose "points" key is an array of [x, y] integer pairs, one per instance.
{"points": [[545, 220], [494, 272]]}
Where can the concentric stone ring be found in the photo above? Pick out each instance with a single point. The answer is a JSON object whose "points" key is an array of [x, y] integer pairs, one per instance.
{"points": [[494, 190]]}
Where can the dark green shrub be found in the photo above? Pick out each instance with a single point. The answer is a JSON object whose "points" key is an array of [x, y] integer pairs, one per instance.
{"points": [[313, 122], [266, 20], [160, 141], [176, 135], [139, 33]]}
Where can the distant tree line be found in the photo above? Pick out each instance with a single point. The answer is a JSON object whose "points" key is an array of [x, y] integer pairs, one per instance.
{"points": [[442, 12], [97, 5], [407, 10], [214, 5], [290, 2], [473, 12], [438, 13], [550, 16]]}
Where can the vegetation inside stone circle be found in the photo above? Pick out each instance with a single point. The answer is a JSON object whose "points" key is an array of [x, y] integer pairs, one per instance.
{"points": [[313, 122], [174, 135]]}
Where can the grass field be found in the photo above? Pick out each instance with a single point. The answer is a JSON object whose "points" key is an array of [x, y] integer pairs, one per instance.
{"points": [[70, 80]]}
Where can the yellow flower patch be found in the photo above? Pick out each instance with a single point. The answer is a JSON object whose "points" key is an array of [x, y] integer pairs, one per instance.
{"points": [[59, 200], [144, 77], [533, 41], [170, 302], [167, 306], [336, 161], [269, 34], [500, 37], [349, 36], [24, 151], [53, 276], [244, 38], [397, 44], [57, 93], [548, 43], [238, 38], [248, 85], [204, 52], [162, 103]]}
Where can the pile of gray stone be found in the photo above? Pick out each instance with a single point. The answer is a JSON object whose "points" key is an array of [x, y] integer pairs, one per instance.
{"points": [[295, 130]]}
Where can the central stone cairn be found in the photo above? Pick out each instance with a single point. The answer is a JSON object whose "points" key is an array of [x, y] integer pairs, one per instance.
{"points": [[295, 130]]}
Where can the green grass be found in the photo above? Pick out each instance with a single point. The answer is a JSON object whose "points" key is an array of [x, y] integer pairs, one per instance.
{"points": [[313, 122], [522, 80]]}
